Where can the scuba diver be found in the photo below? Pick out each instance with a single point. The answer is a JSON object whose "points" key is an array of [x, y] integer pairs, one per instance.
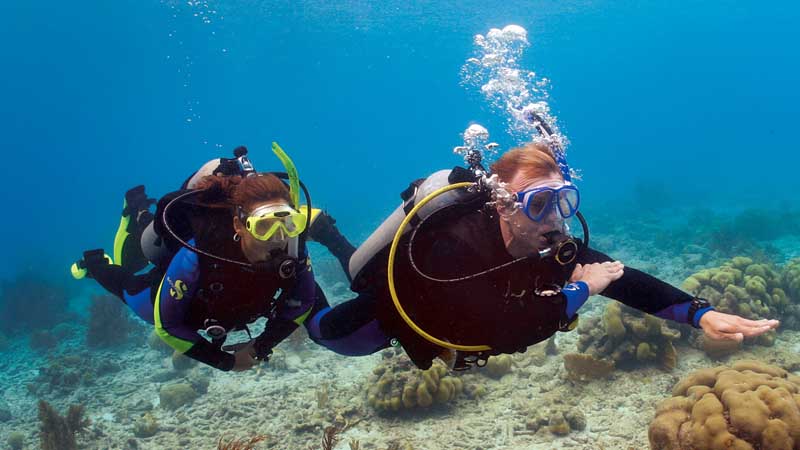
{"points": [[221, 248], [477, 263]]}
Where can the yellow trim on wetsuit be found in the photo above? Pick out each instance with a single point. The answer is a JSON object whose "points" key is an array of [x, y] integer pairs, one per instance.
{"points": [[314, 212], [301, 319], [390, 275], [178, 344], [122, 234]]}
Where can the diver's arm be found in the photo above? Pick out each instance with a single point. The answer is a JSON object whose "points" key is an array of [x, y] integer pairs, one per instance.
{"points": [[292, 310], [323, 230], [172, 307], [647, 293]]}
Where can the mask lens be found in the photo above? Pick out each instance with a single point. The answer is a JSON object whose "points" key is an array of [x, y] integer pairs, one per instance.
{"points": [[278, 235], [276, 226], [537, 203], [262, 227], [568, 199]]}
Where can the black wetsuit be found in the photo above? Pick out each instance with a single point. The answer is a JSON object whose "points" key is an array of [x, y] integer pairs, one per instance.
{"points": [[499, 309]]}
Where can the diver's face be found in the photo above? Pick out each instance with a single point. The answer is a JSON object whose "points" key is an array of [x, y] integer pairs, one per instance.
{"points": [[256, 250], [522, 235]]}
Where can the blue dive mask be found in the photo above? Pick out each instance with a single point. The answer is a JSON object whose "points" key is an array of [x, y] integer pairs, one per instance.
{"points": [[538, 202]]}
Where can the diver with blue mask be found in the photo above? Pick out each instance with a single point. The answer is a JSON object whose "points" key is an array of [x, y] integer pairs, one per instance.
{"points": [[477, 263], [226, 249]]}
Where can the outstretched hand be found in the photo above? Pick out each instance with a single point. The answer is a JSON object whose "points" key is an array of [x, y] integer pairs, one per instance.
{"points": [[598, 275], [721, 326], [245, 358]]}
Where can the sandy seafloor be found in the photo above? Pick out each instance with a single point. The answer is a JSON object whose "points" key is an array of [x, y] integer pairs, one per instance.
{"points": [[283, 403]]}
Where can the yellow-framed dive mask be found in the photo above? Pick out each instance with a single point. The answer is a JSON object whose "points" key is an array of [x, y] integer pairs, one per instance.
{"points": [[273, 222]]}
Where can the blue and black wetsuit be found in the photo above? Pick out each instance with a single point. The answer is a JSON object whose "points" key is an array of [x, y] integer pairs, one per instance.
{"points": [[122, 278], [196, 293], [499, 309], [191, 291]]}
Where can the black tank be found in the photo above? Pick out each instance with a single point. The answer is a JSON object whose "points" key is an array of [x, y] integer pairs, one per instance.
{"points": [[498, 309]]}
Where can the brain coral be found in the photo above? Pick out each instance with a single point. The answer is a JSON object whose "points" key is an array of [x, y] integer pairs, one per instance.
{"points": [[396, 385], [748, 289], [791, 279], [625, 336], [747, 406]]}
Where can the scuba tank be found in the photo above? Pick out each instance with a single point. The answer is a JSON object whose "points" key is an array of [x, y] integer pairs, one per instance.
{"points": [[381, 238]]}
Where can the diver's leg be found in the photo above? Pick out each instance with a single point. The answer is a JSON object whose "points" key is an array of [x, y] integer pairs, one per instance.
{"points": [[134, 290], [349, 329], [323, 230], [139, 291], [136, 216], [110, 276]]}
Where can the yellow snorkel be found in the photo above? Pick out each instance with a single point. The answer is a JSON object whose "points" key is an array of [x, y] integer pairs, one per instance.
{"points": [[291, 172]]}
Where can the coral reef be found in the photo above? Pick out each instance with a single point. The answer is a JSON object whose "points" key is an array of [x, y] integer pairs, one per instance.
{"points": [[791, 279], [16, 440], [57, 432], [173, 396], [396, 385], [109, 323], [199, 380], [497, 366], [743, 287], [181, 362], [749, 405], [624, 337], [64, 373], [31, 302], [718, 348], [582, 366], [146, 426], [560, 421], [239, 444], [791, 283]]}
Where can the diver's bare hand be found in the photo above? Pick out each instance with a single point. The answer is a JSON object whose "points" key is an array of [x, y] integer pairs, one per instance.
{"points": [[245, 358], [717, 325], [598, 275]]}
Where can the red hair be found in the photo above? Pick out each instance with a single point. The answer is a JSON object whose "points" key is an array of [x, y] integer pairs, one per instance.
{"points": [[247, 192], [211, 220], [533, 160]]}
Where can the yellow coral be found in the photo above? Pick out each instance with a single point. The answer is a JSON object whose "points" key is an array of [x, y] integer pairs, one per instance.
{"points": [[752, 290], [791, 279], [644, 352], [741, 262], [613, 321], [580, 366], [499, 365], [730, 408], [628, 336], [396, 385], [424, 398]]}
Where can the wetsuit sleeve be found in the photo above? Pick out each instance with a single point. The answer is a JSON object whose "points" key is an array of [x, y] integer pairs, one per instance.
{"points": [[292, 310], [171, 310], [647, 293], [324, 231], [575, 295]]}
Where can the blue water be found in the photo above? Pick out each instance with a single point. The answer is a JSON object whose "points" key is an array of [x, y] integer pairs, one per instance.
{"points": [[701, 97], [690, 104]]}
